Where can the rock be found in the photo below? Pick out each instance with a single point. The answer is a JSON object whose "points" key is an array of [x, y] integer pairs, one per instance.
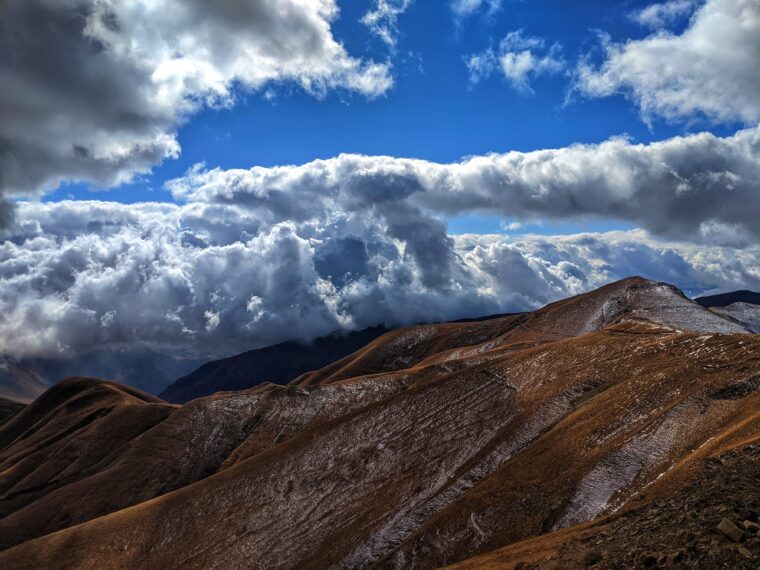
{"points": [[749, 514], [751, 526], [648, 559], [728, 528], [745, 552]]}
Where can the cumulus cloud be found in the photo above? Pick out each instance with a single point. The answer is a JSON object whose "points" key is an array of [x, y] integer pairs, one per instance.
{"points": [[660, 15], [252, 257], [519, 58], [709, 70], [94, 90], [382, 20], [700, 188], [210, 279]]}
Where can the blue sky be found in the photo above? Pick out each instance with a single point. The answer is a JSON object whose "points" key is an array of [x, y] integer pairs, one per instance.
{"points": [[433, 111]]}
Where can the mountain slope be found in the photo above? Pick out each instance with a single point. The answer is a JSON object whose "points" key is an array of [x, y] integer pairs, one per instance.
{"points": [[676, 529], [746, 314], [447, 442], [9, 408]]}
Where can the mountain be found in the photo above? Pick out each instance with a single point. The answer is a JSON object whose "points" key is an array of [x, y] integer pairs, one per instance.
{"points": [[9, 408], [725, 299], [25, 379], [742, 307], [746, 314], [627, 412], [277, 364]]}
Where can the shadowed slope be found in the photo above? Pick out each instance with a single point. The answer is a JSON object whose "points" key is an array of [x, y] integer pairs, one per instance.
{"points": [[75, 429], [9, 408]]}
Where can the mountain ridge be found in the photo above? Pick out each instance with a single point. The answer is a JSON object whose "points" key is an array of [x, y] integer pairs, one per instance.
{"points": [[430, 445]]}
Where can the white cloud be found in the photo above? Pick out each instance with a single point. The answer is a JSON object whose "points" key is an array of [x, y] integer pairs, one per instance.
{"points": [[710, 70], [698, 187], [465, 8], [253, 257], [662, 14], [382, 20], [95, 90], [510, 226], [207, 280], [519, 58]]}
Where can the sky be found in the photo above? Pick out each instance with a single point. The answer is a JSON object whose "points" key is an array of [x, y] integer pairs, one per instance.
{"points": [[201, 178]]}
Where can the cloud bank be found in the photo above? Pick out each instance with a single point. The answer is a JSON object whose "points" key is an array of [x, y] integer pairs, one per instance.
{"points": [[94, 90], [253, 257], [700, 187]]}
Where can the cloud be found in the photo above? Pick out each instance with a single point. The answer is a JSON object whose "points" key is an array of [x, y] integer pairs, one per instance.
{"points": [[700, 188], [253, 257], [519, 58], [207, 280], [464, 8], [662, 14], [95, 90], [382, 20], [510, 226], [709, 70]]}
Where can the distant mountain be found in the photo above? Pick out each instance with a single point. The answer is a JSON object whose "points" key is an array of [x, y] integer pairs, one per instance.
{"points": [[430, 445], [278, 364], [747, 314], [725, 299], [742, 307]]}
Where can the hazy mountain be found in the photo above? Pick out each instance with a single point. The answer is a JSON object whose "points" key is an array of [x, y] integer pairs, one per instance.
{"points": [[278, 364], [428, 446], [725, 299]]}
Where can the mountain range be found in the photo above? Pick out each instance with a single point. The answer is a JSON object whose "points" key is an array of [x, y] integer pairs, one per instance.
{"points": [[588, 432]]}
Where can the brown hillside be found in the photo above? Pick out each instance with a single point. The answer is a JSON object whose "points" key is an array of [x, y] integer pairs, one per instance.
{"points": [[429, 446]]}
